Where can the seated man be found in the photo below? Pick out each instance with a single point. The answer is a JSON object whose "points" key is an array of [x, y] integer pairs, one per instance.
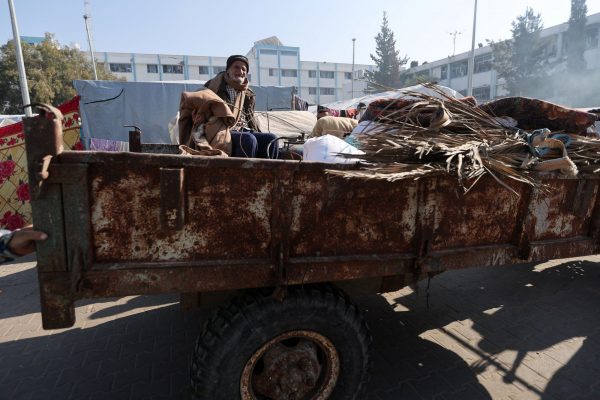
{"points": [[232, 87]]}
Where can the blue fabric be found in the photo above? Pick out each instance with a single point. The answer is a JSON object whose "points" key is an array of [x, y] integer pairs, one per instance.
{"points": [[254, 145], [243, 144]]}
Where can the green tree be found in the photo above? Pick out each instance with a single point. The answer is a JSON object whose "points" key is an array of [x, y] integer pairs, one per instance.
{"points": [[387, 58], [50, 71], [520, 60], [576, 36]]}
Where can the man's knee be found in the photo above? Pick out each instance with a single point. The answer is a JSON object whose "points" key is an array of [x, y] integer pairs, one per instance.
{"points": [[243, 144]]}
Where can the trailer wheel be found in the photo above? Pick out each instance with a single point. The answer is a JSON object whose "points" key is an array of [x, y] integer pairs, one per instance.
{"points": [[312, 345]]}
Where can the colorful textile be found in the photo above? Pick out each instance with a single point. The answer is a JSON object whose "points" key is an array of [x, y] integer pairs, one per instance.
{"points": [[538, 114], [15, 210], [108, 145], [299, 104]]}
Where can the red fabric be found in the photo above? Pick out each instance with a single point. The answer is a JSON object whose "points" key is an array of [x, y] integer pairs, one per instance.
{"points": [[65, 108]]}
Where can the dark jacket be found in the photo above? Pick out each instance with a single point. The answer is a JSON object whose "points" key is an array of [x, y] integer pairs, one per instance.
{"points": [[247, 109]]}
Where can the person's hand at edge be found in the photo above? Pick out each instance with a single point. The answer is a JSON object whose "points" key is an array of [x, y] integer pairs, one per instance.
{"points": [[23, 240]]}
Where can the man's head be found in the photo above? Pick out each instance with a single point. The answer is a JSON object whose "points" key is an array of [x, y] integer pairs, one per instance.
{"points": [[322, 112], [237, 68]]}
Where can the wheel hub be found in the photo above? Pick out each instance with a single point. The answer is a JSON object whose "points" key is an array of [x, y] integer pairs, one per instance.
{"points": [[298, 365]]}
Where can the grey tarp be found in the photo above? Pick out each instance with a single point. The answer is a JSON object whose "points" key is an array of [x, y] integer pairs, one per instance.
{"points": [[105, 106]]}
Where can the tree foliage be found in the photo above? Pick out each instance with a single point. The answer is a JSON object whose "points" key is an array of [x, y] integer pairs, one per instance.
{"points": [[386, 58], [50, 71], [576, 36], [520, 60]]}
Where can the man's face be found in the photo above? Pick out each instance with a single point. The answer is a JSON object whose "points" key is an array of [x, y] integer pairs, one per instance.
{"points": [[322, 114], [238, 71]]}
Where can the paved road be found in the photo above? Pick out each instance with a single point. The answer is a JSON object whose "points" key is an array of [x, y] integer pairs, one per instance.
{"points": [[519, 332]]}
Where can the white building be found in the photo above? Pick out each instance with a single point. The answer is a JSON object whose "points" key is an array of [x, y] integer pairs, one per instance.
{"points": [[452, 71], [271, 64]]}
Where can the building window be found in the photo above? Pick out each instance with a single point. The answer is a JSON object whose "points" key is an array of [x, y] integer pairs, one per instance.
{"points": [[444, 72], [327, 91], [312, 73], [591, 38], [120, 67], [326, 74], [289, 53], [217, 69], [312, 90], [172, 69], [268, 52], [459, 68], [273, 72], [152, 68], [463, 92], [481, 93], [483, 63], [289, 73], [203, 69], [347, 75]]}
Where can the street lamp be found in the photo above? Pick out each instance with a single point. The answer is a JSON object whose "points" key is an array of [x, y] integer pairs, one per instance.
{"points": [[454, 41], [472, 55], [353, 42]]}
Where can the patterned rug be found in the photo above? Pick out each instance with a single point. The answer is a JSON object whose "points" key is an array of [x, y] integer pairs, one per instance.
{"points": [[15, 209]]}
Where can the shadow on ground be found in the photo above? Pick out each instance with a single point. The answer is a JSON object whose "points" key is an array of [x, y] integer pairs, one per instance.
{"points": [[529, 310], [146, 355]]}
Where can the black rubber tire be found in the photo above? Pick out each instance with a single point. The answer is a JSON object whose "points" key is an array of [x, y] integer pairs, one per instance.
{"points": [[235, 332]]}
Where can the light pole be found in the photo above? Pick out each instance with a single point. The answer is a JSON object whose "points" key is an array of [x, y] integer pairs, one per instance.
{"points": [[20, 64], [472, 55], [453, 34], [86, 18], [353, 42]]}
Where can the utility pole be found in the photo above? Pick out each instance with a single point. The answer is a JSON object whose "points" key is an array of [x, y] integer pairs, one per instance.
{"points": [[20, 63], [86, 18], [472, 55], [353, 42]]}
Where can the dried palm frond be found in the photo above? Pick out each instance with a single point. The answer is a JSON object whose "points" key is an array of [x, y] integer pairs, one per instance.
{"points": [[421, 135]]}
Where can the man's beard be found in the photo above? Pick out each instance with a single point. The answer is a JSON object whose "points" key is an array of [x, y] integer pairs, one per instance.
{"points": [[237, 79]]}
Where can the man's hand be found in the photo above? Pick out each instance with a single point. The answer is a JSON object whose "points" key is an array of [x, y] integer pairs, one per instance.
{"points": [[23, 241]]}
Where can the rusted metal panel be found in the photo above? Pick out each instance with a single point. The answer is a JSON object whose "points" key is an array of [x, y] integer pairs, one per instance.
{"points": [[160, 148], [564, 210], [77, 221], [243, 223], [172, 198], [333, 216], [229, 214], [485, 216], [131, 280], [563, 248], [42, 136], [56, 299]]}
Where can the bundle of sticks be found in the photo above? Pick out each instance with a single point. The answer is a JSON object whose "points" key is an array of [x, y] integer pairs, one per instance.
{"points": [[418, 135]]}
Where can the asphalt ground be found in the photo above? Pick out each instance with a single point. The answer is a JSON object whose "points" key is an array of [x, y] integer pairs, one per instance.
{"points": [[516, 332]]}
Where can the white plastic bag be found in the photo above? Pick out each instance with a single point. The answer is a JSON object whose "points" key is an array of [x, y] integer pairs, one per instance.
{"points": [[327, 149]]}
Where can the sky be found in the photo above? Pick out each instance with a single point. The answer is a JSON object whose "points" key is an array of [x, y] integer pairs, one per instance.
{"points": [[323, 29]]}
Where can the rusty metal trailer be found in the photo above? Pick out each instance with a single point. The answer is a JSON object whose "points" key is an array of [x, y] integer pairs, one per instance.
{"points": [[287, 238]]}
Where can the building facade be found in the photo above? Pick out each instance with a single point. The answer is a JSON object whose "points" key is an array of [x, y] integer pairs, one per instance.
{"points": [[452, 71], [271, 64]]}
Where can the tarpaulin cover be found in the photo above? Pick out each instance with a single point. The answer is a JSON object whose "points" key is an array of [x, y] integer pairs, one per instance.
{"points": [[286, 123], [108, 105]]}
